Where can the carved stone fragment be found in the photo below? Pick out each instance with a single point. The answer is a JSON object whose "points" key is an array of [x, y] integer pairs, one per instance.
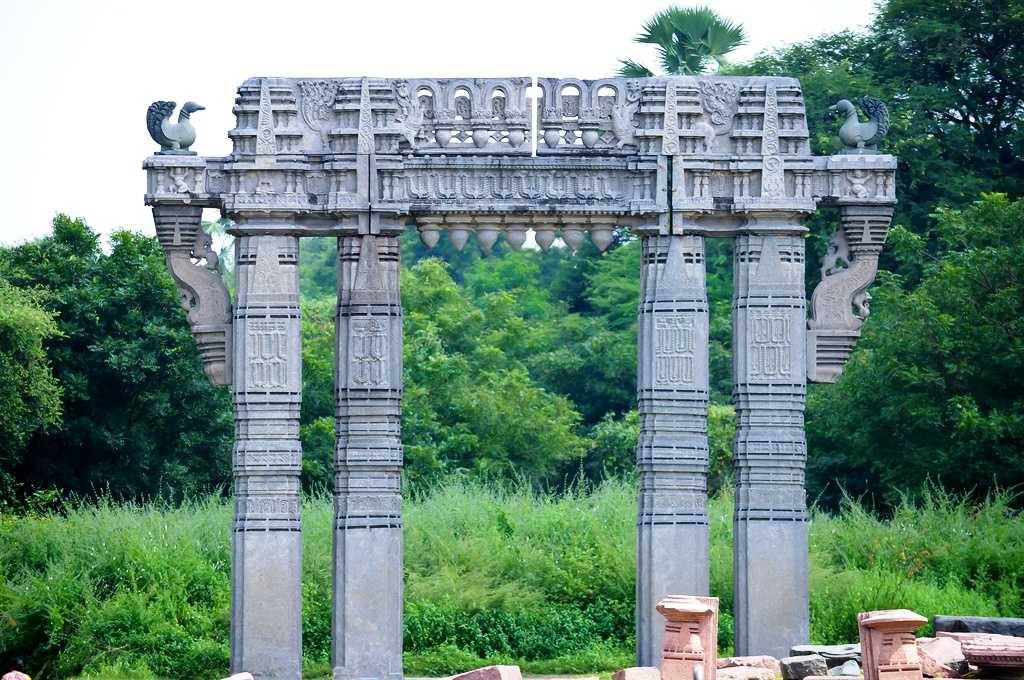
{"points": [[690, 645]]}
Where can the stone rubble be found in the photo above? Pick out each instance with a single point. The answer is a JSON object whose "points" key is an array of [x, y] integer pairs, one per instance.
{"points": [[491, 673], [834, 655], [637, 673], [800, 667], [769, 662], [942, 657], [745, 673], [848, 669], [978, 624]]}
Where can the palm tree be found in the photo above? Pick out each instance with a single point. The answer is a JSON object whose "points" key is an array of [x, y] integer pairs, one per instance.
{"points": [[688, 40]]}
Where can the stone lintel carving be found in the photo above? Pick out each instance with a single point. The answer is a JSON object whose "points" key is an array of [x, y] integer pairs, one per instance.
{"points": [[990, 651], [840, 302], [888, 644], [691, 637], [196, 273]]}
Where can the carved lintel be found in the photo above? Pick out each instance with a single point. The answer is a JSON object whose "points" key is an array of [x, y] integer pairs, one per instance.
{"points": [[194, 267], [840, 302]]}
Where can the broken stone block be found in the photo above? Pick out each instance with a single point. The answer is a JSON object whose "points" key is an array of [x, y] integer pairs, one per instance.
{"points": [[994, 652], [887, 641], [834, 655], [745, 673], [769, 662], [941, 657], [491, 673], [240, 676], [978, 624], [691, 637], [637, 673], [800, 667], [848, 669]]}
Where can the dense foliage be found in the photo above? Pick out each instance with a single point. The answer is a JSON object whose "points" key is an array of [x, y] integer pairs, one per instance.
{"points": [[492, 575], [139, 417]]}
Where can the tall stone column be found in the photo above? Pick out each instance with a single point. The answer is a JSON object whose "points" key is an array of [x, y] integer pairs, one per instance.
{"points": [[672, 454], [770, 522], [367, 625], [266, 567]]}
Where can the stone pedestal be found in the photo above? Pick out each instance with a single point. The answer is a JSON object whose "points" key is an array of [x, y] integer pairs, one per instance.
{"points": [[266, 570], [672, 454], [367, 625], [887, 640], [690, 650], [769, 336]]}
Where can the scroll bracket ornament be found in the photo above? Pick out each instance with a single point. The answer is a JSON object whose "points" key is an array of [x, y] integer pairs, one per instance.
{"points": [[840, 302], [195, 269]]}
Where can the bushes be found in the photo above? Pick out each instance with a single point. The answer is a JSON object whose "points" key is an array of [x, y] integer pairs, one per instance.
{"points": [[492, 575]]}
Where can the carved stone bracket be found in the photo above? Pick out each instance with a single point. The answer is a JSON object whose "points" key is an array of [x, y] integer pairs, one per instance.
{"points": [[204, 296], [691, 637], [840, 302]]}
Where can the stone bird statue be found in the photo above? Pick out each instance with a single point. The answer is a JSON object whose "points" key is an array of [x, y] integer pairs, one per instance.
{"points": [[172, 137], [857, 136]]}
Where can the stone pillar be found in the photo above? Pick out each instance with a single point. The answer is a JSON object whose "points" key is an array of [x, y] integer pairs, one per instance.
{"points": [[367, 620], [672, 454], [769, 386], [266, 567]]}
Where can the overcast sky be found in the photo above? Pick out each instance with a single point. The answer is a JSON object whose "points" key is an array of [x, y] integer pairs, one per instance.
{"points": [[77, 75]]}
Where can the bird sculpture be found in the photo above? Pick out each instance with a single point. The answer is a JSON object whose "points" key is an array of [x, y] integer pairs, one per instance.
{"points": [[173, 138], [857, 136]]}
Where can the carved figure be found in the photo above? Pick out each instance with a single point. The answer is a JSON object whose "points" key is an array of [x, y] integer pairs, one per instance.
{"points": [[172, 137], [410, 113], [857, 136]]}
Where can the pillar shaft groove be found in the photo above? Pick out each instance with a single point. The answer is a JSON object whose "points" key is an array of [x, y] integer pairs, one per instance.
{"points": [[770, 452], [266, 620], [367, 625], [672, 453]]}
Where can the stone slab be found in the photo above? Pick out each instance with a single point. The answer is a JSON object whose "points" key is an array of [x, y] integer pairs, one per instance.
{"points": [[491, 673], [769, 662], [834, 655], [637, 673], [941, 657], [978, 624], [745, 673]]}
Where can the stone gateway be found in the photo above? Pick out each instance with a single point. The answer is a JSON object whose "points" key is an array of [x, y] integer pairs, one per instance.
{"points": [[675, 160]]}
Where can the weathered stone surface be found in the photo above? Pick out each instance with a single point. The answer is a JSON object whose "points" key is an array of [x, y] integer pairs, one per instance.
{"points": [[240, 676], [491, 673], [887, 640], [770, 449], [745, 673], [941, 657], [847, 669], [800, 667], [834, 655], [637, 673], [672, 452], [769, 662], [994, 651], [978, 624]]}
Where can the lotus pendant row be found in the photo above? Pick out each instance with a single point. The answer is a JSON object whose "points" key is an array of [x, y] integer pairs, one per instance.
{"points": [[489, 229]]}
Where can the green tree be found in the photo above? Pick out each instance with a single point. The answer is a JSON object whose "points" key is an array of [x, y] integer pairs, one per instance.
{"points": [[688, 40], [139, 416], [934, 390], [29, 394]]}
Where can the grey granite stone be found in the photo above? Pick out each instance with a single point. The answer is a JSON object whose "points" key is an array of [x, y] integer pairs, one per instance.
{"points": [[847, 669], [800, 667], [978, 624], [834, 655]]}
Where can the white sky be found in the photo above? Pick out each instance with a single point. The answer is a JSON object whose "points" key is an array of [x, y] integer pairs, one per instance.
{"points": [[76, 76]]}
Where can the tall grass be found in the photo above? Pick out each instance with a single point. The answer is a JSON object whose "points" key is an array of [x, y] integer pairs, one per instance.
{"points": [[491, 575]]}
